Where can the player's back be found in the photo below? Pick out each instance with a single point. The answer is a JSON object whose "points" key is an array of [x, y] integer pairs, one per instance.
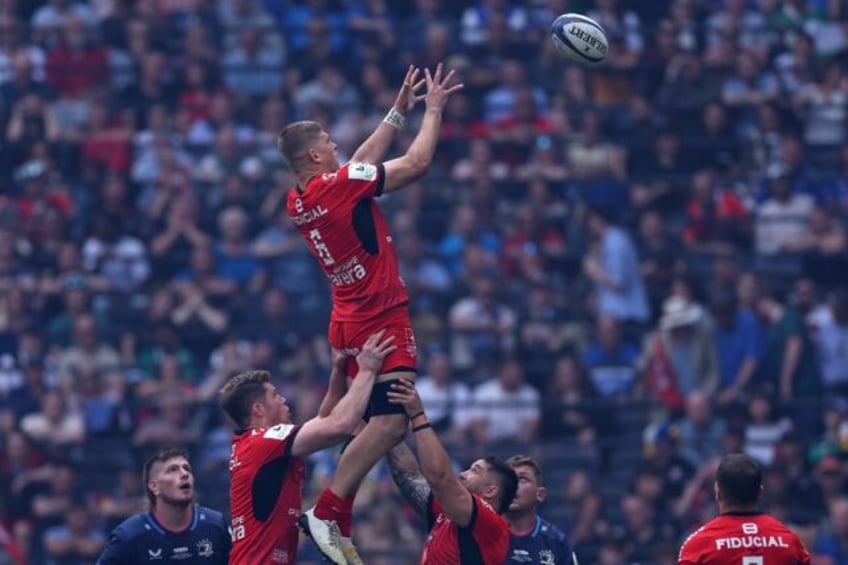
{"points": [[349, 236], [744, 539]]}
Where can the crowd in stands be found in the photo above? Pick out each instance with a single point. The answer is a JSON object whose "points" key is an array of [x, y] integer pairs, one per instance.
{"points": [[625, 270]]}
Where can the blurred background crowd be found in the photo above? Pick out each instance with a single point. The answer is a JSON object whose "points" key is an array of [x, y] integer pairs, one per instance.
{"points": [[624, 270]]}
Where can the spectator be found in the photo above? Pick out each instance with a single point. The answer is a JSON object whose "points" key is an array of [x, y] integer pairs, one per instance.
{"points": [[613, 266], [88, 350], [765, 428], [610, 361], [784, 218], [823, 238], [831, 338], [716, 217], [700, 433], [739, 344], [55, 425], [445, 399], [77, 540], [568, 410], [505, 408], [789, 366], [830, 544]]}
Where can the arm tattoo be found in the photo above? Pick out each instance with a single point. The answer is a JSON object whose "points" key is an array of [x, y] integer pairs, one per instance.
{"points": [[407, 476]]}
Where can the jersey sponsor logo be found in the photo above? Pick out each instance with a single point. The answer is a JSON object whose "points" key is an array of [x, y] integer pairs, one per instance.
{"points": [[204, 548], [751, 541], [279, 432], [750, 529], [348, 273], [309, 215], [521, 556], [362, 171], [546, 557], [181, 553], [154, 554], [279, 556]]}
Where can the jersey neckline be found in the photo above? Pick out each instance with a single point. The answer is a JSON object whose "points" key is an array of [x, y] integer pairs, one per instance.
{"points": [[166, 531]]}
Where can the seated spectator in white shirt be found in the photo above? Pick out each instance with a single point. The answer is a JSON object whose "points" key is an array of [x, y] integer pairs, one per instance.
{"points": [[505, 408], [445, 400], [784, 218]]}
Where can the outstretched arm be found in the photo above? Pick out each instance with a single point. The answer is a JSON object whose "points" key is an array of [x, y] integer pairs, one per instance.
{"points": [[374, 148], [415, 162], [337, 387], [408, 478], [320, 433], [455, 499]]}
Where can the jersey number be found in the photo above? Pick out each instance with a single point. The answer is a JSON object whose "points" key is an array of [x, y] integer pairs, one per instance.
{"points": [[321, 248], [752, 560]]}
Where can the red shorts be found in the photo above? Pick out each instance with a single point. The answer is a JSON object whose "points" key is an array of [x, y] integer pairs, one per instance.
{"points": [[351, 336]]}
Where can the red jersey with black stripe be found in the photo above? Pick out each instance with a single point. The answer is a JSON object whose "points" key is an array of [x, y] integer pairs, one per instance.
{"points": [[266, 482], [744, 538], [485, 541], [348, 235]]}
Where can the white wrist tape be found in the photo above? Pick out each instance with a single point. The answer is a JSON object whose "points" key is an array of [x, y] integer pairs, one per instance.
{"points": [[395, 119]]}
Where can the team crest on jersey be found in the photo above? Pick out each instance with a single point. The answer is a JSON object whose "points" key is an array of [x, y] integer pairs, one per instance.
{"points": [[279, 432], [329, 177], [204, 548], [546, 557], [362, 171]]}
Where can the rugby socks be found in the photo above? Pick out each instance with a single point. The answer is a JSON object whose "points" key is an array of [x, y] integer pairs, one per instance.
{"points": [[331, 506]]}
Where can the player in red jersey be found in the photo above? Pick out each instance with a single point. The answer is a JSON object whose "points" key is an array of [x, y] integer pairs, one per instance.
{"points": [[464, 514], [740, 535], [266, 465], [333, 206]]}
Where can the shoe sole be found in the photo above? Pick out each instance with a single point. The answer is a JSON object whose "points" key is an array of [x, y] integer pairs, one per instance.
{"points": [[303, 523]]}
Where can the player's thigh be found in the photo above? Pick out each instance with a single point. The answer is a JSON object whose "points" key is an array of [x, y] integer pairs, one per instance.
{"points": [[396, 323]]}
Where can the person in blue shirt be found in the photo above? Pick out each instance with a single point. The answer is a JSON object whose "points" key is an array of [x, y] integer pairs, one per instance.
{"points": [[533, 539], [175, 529]]}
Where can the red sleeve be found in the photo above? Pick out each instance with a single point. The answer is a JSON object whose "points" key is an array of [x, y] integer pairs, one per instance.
{"points": [[272, 443], [361, 180], [486, 525], [690, 551]]}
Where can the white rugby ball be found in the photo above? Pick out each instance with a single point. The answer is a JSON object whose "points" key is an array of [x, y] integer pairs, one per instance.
{"points": [[579, 38]]}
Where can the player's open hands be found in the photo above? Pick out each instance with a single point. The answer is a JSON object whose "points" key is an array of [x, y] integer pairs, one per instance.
{"points": [[407, 98], [439, 88], [403, 392], [374, 351]]}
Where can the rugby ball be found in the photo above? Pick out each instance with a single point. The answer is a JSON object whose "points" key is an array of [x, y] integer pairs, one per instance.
{"points": [[579, 38]]}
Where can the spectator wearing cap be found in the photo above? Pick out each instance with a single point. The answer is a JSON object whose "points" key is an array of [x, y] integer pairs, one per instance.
{"points": [[784, 217], [739, 343], [680, 356], [789, 365]]}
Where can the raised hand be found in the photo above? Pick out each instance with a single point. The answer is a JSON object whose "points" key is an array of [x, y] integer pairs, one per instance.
{"points": [[374, 351], [439, 89], [403, 392], [407, 98]]}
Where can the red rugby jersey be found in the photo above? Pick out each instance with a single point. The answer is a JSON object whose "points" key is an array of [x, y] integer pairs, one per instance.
{"points": [[266, 482], [347, 233], [743, 538], [485, 541]]}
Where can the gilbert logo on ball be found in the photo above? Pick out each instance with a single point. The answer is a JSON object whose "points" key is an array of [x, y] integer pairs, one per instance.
{"points": [[579, 38]]}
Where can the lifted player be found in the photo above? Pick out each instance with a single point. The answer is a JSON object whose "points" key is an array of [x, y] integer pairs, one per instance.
{"points": [[740, 534], [463, 514], [266, 465], [533, 539], [333, 206]]}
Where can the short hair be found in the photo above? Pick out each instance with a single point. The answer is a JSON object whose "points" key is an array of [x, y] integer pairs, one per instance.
{"points": [[527, 461], [295, 138], [161, 456], [739, 478], [507, 481], [240, 392]]}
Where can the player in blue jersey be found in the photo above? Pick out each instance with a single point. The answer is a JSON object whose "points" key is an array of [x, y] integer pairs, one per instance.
{"points": [[175, 529], [532, 539]]}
